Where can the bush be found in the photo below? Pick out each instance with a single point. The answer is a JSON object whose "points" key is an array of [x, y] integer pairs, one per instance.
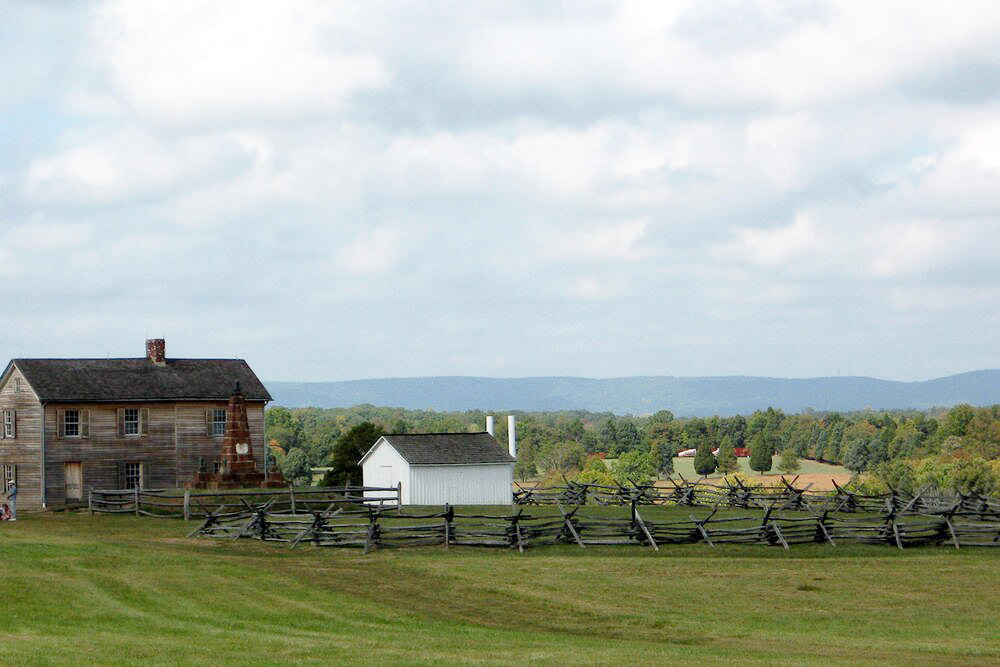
{"points": [[704, 461], [727, 462], [634, 467], [594, 476], [760, 454], [789, 461]]}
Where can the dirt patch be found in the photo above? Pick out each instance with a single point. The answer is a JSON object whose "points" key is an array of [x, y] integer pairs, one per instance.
{"points": [[821, 481]]}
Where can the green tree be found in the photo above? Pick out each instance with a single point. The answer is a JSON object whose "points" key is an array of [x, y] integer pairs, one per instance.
{"points": [[760, 453], [561, 456], [608, 438], [662, 453], [295, 467], [347, 453], [857, 455], [957, 420], [634, 466], [704, 462], [726, 457], [789, 461], [629, 438]]}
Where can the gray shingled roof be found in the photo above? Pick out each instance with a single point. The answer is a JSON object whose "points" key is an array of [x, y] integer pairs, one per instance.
{"points": [[115, 380], [448, 448]]}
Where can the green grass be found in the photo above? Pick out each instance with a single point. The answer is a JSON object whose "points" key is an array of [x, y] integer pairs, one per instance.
{"points": [[685, 466], [122, 590]]}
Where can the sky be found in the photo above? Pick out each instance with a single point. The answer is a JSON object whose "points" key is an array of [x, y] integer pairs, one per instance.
{"points": [[341, 190]]}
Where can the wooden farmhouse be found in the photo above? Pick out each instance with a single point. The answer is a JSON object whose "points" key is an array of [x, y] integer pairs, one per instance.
{"points": [[439, 468], [72, 425]]}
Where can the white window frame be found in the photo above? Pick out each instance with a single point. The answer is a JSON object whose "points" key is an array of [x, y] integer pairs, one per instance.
{"points": [[128, 423], [218, 425], [9, 476], [74, 423], [134, 471], [8, 423]]}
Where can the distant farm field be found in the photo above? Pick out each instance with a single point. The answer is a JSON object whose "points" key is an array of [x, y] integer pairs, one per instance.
{"points": [[124, 590], [819, 474]]}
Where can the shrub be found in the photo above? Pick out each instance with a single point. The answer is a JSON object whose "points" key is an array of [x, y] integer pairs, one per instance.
{"points": [[635, 467], [726, 459], [594, 476], [789, 461], [704, 461], [760, 454]]}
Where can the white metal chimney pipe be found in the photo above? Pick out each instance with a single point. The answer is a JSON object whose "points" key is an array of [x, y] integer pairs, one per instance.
{"points": [[489, 424], [511, 436]]}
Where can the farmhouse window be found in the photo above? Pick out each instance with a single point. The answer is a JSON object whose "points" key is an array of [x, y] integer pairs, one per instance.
{"points": [[133, 475], [218, 422], [74, 423], [71, 423], [9, 422], [9, 476], [130, 425], [133, 421]]}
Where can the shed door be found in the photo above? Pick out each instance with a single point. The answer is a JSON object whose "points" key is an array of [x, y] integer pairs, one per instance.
{"points": [[74, 482]]}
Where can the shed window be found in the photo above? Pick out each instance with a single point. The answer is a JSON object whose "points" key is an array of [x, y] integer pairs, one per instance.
{"points": [[130, 423], [133, 475], [218, 422], [9, 476], [71, 423]]}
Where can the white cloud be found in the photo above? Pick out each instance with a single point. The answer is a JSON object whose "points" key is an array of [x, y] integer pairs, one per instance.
{"points": [[619, 242], [188, 63], [528, 185], [130, 163]]}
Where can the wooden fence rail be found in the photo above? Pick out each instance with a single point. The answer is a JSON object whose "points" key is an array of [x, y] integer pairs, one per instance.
{"points": [[736, 495], [201, 504], [373, 527]]}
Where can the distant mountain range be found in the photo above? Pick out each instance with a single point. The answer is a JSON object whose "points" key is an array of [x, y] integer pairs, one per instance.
{"points": [[684, 396]]}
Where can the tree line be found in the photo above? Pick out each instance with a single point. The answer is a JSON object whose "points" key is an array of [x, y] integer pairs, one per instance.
{"points": [[903, 448]]}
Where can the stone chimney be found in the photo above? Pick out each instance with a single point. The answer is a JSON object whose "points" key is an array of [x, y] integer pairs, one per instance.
{"points": [[156, 351]]}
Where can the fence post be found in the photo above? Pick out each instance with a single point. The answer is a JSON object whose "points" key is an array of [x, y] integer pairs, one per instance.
{"points": [[90, 501], [187, 504], [399, 493], [291, 496], [136, 500]]}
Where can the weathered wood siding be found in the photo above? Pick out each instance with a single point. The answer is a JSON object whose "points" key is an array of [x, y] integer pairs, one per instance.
{"points": [[24, 450], [169, 445], [194, 442]]}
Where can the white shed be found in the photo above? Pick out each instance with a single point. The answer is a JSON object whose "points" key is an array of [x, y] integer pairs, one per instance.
{"points": [[439, 468]]}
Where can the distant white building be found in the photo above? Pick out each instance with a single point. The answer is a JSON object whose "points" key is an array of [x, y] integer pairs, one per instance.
{"points": [[439, 468]]}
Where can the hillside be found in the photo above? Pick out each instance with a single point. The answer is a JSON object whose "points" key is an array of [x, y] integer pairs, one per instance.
{"points": [[685, 396]]}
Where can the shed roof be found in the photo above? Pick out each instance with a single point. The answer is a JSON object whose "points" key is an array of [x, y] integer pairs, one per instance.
{"points": [[113, 380], [448, 448]]}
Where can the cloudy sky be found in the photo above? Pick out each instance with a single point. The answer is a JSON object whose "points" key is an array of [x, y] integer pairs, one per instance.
{"points": [[347, 190]]}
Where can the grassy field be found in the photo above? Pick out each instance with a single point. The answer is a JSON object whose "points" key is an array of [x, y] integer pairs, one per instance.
{"points": [[685, 466], [123, 590]]}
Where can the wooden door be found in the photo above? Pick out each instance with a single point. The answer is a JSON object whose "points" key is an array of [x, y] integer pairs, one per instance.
{"points": [[74, 482]]}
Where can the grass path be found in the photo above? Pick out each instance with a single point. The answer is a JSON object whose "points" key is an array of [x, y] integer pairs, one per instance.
{"points": [[121, 590]]}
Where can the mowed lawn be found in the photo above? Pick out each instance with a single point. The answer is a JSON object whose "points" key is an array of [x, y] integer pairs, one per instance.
{"points": [[685, 466], [77, 590]]}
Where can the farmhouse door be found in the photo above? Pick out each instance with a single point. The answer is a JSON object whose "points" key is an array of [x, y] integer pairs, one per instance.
{"points": [[74, 482]]}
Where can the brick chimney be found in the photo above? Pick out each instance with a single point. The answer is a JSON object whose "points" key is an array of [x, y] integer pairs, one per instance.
{"points": [[156, 351]]}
